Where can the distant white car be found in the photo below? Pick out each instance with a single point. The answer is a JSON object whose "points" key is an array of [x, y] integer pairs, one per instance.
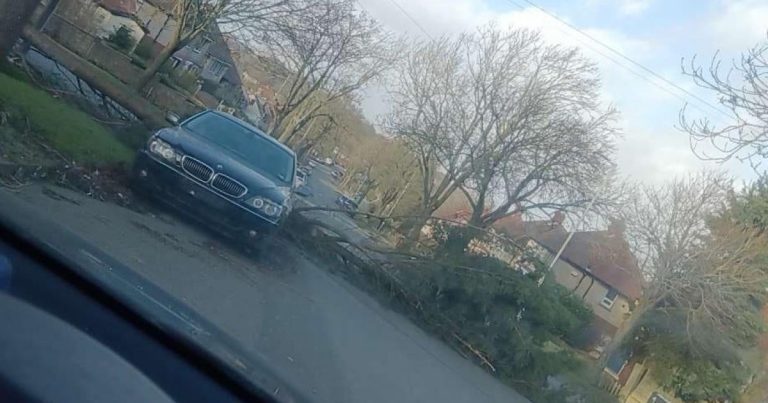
{"points": [[301, 177], [328, 161]]}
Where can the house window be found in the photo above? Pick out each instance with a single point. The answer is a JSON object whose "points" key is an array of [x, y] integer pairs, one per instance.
{"points": [[216, 67], [201, 45], [189, 66], [609, 298]]}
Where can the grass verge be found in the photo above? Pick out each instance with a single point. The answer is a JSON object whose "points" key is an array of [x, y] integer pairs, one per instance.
{"points": [[65, 128]]}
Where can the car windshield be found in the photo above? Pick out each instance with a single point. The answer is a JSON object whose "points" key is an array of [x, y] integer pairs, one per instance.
{"points": [[252, 147], [444, 201]]}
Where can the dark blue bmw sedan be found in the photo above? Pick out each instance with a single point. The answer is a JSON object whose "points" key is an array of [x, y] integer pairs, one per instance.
{"points": [[220, 170]]}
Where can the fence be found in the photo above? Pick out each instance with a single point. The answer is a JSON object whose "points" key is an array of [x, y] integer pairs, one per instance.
{"points": [[116, 63], [92, 48]]}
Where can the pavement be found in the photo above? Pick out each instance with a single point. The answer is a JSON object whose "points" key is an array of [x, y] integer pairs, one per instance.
{"points": [[318, 331]]}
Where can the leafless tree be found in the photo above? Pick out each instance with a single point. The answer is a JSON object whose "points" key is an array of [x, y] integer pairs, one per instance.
{"points": [[543, 141], [422, 101], [330, 51], [696, 260], [664, 223], [742, 88], [513, 123], [191, 18]]}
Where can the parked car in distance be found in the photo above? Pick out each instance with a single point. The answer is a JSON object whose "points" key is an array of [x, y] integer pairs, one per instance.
{"points": [[301, 177], [220, 170], [337, 175], [328, 161], [346, 203]]}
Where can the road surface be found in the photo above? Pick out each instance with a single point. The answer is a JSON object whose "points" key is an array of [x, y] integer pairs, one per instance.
{"points": [[324, 194], [338, 344]]}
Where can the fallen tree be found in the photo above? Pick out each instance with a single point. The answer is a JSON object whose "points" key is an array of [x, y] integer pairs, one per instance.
{"points": [[467, 299]]}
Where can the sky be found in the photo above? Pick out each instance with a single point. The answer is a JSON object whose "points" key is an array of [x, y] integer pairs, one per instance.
{"points": [[655, 33]]}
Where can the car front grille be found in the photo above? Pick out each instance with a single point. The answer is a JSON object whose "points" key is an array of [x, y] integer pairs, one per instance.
{"points": [[228, 186], [196, 168]]}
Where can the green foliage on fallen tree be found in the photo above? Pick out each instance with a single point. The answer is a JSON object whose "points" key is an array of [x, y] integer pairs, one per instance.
{"points": [[517, 325], [705, 367], [498, 317]]}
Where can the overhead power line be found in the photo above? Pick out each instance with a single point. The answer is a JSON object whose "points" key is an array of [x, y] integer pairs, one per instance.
{"points": [[591, 38], [413, 20], [628, 59]]}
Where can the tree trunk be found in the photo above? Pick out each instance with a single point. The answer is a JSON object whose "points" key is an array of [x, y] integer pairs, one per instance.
{"points": [[303, 150], [414, 232], [157, 63], [13, 15]]}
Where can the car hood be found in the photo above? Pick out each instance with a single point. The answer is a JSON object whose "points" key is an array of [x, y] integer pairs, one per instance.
{"points": [[224, 161]]}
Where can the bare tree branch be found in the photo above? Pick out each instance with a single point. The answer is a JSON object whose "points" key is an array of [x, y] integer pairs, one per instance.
{"points": [[511, 122], [742, 89]]}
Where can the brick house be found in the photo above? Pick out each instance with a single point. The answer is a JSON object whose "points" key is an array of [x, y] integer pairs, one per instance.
{"points": [[631, 381], [99, 18], [156, 17], [597, 266], [210, 58]]}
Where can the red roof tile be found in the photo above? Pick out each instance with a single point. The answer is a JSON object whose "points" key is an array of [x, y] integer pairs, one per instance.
{"points": [[604, 255]]}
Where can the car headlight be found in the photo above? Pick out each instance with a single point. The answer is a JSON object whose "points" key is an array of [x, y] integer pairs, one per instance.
{"points": [[164, 150], [266, 206]]}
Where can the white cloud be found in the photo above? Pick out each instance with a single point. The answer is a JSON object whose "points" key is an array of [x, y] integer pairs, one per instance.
{"points": [[739, 25], [624, 7], [633, 7], [652, 150]]}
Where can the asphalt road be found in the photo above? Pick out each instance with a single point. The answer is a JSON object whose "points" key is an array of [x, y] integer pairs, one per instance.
{"points": [[338, 344], [324, 194]]}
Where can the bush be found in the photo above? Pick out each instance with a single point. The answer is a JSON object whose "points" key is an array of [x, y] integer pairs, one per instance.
{"points": [[185, 79], [122, 38], [143, 50], [179, 77]]}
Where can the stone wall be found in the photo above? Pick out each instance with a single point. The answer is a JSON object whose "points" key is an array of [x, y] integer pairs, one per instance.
{"points": [[116, 63], [92, 49], [169, 99]]}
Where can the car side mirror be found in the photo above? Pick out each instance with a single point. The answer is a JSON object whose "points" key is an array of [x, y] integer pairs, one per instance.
{"points": [[172, 118]]}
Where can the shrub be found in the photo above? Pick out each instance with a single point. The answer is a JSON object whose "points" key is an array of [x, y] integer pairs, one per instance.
{"points": [[143, 50], [185, 79], [122, 38]]}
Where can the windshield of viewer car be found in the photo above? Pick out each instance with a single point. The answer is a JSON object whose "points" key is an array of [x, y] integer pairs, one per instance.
{"points": [[264, 155]]}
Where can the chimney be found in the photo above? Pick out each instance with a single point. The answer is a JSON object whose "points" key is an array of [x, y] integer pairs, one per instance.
{"points": [[617, 227], [558, 218]]}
